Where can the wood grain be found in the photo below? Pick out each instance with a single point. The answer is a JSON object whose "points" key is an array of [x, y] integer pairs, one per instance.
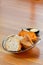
{"points": [[15, 15]]}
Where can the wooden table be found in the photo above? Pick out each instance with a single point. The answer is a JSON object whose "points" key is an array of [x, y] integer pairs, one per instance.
{"points": [[15, 15]]}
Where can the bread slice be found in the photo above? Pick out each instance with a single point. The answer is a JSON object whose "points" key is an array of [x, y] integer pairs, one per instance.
{"points": [[31, 34], [14, 43], [26, 42]]}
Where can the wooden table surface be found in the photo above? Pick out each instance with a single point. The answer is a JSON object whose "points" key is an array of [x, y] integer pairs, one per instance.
{"points": [[15, 15]]}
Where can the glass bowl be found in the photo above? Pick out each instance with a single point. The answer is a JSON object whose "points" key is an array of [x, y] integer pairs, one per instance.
{"points": [[24, 50]]}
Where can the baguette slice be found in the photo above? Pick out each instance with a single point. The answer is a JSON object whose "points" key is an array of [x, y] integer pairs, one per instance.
{"points": [[32, 35], [26, 42], [14, 43]]}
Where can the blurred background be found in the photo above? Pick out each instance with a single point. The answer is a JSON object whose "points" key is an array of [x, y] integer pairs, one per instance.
{"points": [[17, 14]]}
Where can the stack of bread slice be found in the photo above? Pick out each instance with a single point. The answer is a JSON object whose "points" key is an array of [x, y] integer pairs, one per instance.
{"points": [[23, 39]]}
